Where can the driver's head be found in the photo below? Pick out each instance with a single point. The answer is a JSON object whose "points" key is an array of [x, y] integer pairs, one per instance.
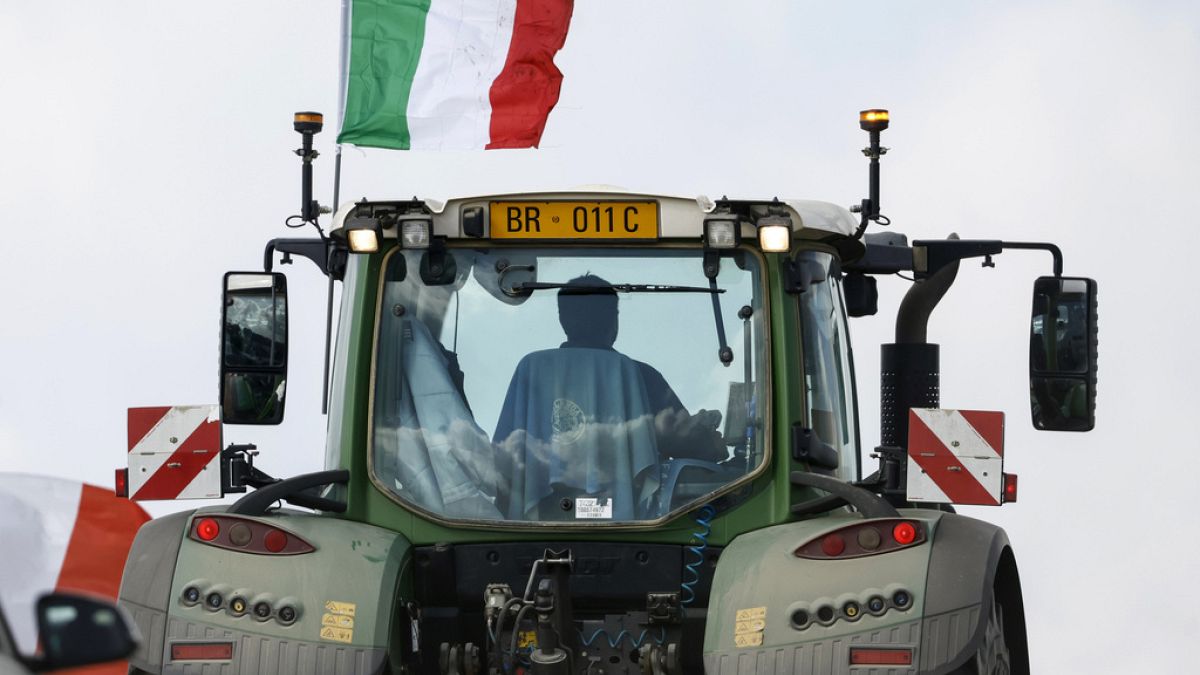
{"points": [[589, 318]]}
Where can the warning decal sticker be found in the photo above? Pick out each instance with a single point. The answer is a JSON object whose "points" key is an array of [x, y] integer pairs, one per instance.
{"points": [[749, 626], [337, 623], [336, 634]]}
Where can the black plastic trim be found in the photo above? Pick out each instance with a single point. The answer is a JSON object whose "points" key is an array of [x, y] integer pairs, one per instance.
{"points": [[869, 504], [256, 503]]}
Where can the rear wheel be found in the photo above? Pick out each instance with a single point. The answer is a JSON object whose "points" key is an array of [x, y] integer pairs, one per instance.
{"points": [[993, 657]]}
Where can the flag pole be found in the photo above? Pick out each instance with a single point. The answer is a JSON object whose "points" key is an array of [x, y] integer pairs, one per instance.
{"points": [[343, 77], [343, 59]]}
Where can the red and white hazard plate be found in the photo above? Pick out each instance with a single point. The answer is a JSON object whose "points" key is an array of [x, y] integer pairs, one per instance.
{"points": [[174, 452], [956, 456]]}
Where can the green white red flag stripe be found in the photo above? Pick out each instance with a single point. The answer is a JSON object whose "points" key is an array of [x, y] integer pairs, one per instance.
{"points": [[62, 535], [956, 456], [452, 74]]}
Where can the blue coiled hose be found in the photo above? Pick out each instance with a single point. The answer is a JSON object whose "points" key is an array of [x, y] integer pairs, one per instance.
{"points": [[691, 571], [613, 642]]}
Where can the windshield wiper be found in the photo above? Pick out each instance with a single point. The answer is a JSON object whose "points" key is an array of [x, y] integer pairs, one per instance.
{"points": [[587, 289]]}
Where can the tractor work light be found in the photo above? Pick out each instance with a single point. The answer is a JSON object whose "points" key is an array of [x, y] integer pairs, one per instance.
{"points": [[363, 234], [775, 234], [363, 241], [722, 231], [873, 120], [416, 231]]}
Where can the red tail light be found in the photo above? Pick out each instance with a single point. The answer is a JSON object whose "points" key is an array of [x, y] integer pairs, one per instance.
{"points": [[880, 656], [121, 484], [207, 529], [869, 537], [1010, 488], [247, 536], [833, 545], [275, 541]]}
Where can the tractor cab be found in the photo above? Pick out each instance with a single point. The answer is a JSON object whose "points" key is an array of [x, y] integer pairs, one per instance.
{"points": [[588, 359]]}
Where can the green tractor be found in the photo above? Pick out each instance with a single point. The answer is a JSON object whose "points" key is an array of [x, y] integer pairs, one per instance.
{"points": [[606, 432]]}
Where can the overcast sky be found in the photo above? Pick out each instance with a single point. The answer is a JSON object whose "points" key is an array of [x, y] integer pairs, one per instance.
{"points": [[145, 148]]}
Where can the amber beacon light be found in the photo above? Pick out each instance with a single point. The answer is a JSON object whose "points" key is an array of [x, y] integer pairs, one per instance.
{"points": [[308, 122], [873, 120]]}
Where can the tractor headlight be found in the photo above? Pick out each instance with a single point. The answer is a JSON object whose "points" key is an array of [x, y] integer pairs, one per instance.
{"points": [[415, 231], [775, 234], [363, 234], [722, 231]]}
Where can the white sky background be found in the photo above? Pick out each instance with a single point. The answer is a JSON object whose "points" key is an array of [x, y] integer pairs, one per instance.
{"points": [[145, 148]]}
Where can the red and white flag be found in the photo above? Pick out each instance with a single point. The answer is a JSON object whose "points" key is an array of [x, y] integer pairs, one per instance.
{"points": [[58, 534]]}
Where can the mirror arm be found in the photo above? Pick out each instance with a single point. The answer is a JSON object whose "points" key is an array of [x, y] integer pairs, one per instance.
{"points": [[929, 256], [885, 253], [316, 250], [1040, 246]]}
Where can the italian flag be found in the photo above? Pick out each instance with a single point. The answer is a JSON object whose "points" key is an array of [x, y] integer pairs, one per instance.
{"points": [[452, 74], [58, 534]]}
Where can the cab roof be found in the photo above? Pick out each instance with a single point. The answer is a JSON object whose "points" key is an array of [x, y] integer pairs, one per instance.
{"points": [[680, 216]]}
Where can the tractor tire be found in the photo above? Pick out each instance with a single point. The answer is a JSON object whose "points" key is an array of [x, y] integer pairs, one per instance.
{"points": [[993, 657]]}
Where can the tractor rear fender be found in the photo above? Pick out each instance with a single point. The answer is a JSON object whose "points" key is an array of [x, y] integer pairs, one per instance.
{"points": [[146, 584], [338, 605], [813, 610], [971, 563]]}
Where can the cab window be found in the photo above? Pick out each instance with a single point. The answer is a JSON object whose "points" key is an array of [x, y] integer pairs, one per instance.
{"points": [[566, 384]]}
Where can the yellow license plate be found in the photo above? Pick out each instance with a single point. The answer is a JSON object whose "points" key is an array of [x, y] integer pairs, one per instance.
{"points": [[574, 220]]}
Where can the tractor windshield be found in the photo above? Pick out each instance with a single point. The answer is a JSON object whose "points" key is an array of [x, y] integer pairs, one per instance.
{"points": [[566, 384]]}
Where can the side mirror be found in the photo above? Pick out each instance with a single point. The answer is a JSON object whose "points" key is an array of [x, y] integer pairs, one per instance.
{"points": [[75, 630], [861, 294], [1062, 354], [253, 348]]}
